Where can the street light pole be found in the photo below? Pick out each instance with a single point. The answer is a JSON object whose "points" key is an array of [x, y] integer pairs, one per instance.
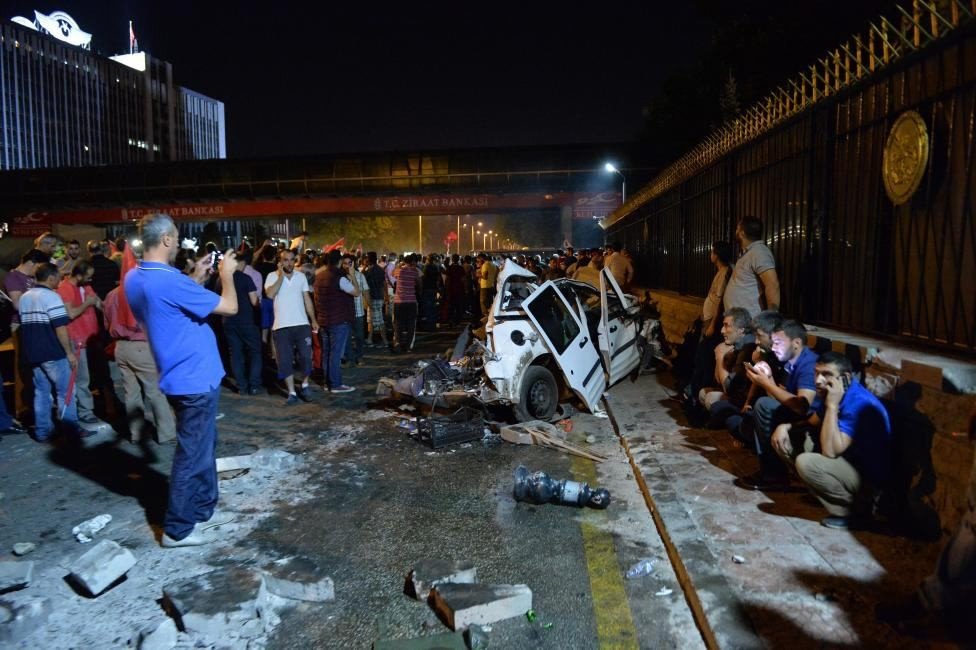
{"points": [[623, 189], [420, 235]]}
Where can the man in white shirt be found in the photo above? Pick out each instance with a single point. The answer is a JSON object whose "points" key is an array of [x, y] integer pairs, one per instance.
{"points": [[755, 268], [294, 324]]}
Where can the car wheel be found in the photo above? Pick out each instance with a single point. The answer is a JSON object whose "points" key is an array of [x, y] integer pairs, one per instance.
{"points": [[539, 396]]}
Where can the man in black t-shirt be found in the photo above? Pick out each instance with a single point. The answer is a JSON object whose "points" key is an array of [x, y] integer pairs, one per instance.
{"points": [[243, 337], [376, 285]]}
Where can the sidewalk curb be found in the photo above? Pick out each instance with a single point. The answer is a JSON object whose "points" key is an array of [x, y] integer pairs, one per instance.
{"points": [[720, 619]]}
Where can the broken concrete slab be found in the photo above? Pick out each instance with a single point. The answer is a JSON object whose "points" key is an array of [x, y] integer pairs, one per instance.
{"points": [[429, 573], [102, 565], [460, 605], [162, 635], [446, 641], [15, 575], [319, 591], [215, 603], [20, 620], [231, 463], [274, 460]]}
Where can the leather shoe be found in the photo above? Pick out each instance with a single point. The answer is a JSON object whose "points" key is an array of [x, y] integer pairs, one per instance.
{"points": [[218, 518], [197, 537]]}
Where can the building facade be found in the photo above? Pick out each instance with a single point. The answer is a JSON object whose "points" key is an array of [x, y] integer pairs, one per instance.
{"points": [[62, 105]]}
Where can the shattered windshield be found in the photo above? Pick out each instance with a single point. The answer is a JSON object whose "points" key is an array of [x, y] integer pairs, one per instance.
{"points": [[555, 320]]}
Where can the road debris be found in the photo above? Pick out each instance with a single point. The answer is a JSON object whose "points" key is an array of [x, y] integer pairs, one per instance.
{"points": [[539, 488], [23, 548], [101, 566], [84, 531], [15, 575], [738, 559], [664, 591], [427, 574], [537, 432], [460, 605], [643, 568], [21, 619]]}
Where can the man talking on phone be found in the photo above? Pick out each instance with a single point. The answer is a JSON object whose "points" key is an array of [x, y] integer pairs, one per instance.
{"points": [[172, 309], [843, 452]]}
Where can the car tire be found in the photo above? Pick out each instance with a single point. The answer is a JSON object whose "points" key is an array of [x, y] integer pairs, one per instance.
{"points": [[539, 397]]}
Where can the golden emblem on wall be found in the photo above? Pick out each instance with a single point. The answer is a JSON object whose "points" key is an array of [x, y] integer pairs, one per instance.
{"points": [[906, 154]]}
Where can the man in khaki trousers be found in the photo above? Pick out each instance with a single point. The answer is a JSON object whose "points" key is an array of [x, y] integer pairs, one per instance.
{"points": [[140, 377]]}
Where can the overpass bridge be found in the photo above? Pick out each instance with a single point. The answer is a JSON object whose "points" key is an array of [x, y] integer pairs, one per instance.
{"points": [[543, 195]]}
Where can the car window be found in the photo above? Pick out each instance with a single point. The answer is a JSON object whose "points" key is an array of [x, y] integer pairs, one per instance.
{"points": [[554, 318], [588, 296], [513, 293]]}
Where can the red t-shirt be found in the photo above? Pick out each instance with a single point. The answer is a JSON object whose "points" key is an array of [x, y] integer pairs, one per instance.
{"points": [[82, 329]]}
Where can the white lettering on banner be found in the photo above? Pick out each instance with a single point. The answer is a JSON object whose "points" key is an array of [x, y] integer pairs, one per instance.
{"points": [[176, 211], [420, 203]]}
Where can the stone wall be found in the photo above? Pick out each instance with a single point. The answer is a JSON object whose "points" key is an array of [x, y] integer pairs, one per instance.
{"points": [[935, 396]]}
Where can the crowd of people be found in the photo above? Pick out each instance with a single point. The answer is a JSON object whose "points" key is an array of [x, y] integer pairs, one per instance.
{"points": [[166, 320]]}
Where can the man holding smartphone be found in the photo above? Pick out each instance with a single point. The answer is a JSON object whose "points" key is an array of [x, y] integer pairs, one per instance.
{"points": [[843, 451]]}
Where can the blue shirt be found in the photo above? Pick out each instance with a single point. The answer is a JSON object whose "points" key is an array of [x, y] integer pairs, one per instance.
{"points": [[173, 310], [862, 417], [802, 373]]}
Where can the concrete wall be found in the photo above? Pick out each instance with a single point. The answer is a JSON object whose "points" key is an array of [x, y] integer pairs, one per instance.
{"points": [[935, 396]]}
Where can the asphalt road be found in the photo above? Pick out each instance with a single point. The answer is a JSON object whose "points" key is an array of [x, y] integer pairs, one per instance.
{"points": [[366, 503]]}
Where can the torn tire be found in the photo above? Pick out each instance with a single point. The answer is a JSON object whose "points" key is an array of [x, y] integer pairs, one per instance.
{"points": [[539, 396]]}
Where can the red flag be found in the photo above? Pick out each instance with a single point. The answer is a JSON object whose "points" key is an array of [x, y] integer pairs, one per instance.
{"points": [[132, 38], [341, 242], [125, 315], [359, 248]]}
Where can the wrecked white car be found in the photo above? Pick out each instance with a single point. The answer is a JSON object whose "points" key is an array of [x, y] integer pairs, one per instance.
{"points": [[542, 343], [544, 340]]}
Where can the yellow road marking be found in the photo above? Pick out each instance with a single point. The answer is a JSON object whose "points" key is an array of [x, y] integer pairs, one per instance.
{"points": [[614, 621]]}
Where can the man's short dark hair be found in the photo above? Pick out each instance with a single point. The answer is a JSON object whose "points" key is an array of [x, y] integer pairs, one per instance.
{"points": [[793, 330], [768, 321], [723, 252], [752, 227], [35, 256], [286, 251], [371, 256], [837, 359], [740, 318], [334, 256], [247, 256], [74, 242], [45, 271], [81, 269]]}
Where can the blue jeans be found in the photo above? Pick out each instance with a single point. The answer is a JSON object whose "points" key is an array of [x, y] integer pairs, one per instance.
{"points": [[193, 479], [5, 418], [334, 339], [354, 343], [53, 377]]}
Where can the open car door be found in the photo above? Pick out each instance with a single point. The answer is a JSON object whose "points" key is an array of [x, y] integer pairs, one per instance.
{"points": [[569, 341], [617, 331]]}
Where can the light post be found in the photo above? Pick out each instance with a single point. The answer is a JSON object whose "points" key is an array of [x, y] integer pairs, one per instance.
{"points": [[420, 234], [623, 186], [491, 239]]}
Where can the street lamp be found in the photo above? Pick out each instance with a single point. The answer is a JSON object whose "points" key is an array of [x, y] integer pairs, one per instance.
{"points": [[623, 189], [491, 239]]}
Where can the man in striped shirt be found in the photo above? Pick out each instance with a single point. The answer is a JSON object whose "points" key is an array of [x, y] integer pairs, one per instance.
{"points": [[405, 304], [47, 350]]}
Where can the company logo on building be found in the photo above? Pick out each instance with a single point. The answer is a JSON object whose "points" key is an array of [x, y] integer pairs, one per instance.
{"points": [[59, 25]]}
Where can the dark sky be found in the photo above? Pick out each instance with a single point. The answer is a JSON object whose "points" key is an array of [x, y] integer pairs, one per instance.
{"points": [[361, 76]]}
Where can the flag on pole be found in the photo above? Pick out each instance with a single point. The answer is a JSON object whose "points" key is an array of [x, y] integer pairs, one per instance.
{"points": [[133, 43], [341, 242]]}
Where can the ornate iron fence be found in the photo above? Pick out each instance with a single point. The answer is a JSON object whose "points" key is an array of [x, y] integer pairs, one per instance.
{"points": [[809, 161]]}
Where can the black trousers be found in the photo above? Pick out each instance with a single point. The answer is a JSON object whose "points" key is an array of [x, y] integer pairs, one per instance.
{"points": [[244, 342], [405, 321]]}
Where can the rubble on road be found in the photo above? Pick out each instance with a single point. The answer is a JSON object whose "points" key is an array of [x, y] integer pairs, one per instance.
{"points": [[15, 575], [460, 605], [161, 635], [537, 432], [20, 620], [232, 463], [427, 574], [84, 531], [23, 548], [539, 488], [101, 566], [298, 578], [215, 603], [445, 641]]}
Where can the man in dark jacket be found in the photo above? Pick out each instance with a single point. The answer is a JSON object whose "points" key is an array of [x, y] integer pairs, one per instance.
{"points": [[334, 289], [107, 272]]}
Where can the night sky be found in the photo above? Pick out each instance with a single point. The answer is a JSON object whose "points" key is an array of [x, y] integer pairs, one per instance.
{"points": [[360, 77]]}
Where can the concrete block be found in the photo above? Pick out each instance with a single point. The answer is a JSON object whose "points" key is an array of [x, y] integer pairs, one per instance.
{"points": [[274, 460], [23, 548], [460, 605], [429, 573], [15, 575], [103, 564], [447, 641], [231, 463], [318, 591], [18, 621], [161, 636], [216, 603]]}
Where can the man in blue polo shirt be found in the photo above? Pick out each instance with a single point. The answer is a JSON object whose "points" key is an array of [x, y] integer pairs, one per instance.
{"points": [[172, 309], [787, 399], [844, 450]]}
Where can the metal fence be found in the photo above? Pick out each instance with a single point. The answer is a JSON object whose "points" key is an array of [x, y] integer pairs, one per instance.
{"points": [[846, 255]]}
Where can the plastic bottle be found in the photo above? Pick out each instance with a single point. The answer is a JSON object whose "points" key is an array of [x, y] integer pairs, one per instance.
{"points": [[643, 568]]}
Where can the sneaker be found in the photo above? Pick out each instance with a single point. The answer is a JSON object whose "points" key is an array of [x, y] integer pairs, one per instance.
{"points": [[197, 537], [305, 393], [342, 389], [218, 518], [14, 428], [837, 523], [292, 399]]}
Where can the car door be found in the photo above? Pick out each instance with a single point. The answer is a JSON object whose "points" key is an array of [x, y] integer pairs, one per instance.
{"points": [[618, 335], [569, 341]]}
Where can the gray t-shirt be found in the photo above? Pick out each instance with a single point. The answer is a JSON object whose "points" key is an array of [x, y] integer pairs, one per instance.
{"points": [[743, 289]]}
